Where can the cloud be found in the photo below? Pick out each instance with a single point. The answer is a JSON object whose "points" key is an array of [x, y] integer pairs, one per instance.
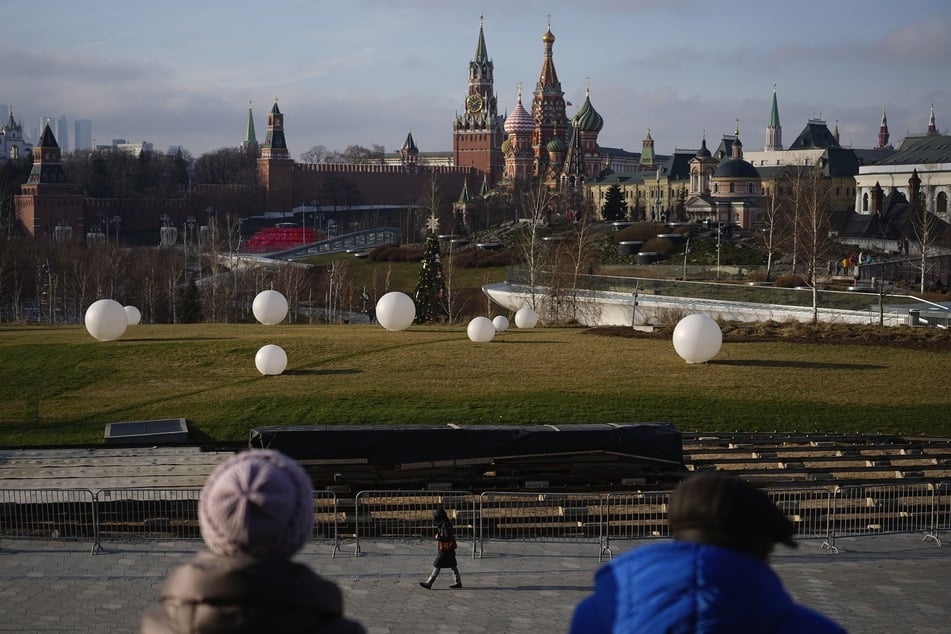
{"points": [[68, 66]]}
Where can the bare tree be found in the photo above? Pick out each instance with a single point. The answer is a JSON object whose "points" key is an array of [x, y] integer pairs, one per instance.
{"points": [[927, 229], [535, 201], [772, 219], [813, 195]]}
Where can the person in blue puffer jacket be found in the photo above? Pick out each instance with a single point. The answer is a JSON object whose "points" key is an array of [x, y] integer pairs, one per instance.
{"points": [[714, 577]]}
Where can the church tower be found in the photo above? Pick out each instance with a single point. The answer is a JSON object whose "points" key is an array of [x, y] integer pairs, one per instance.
{"points": [[774, 131], [275, 166], [477, 133], [883, 132], [548, 109], [250, 143], [48, 206], [517, 148], [932, 126]]}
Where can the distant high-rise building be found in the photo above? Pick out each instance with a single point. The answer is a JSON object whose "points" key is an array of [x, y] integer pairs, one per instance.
{"points": [[83, 134], [62, 133]]}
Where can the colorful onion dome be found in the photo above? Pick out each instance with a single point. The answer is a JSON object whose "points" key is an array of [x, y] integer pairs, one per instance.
{"points": [[556, 145], [519, 120], [506, 146], [587, 118]]}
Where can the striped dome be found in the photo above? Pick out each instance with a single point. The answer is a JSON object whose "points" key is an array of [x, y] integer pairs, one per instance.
{"points": [[556, 145], [506, 146], [587, 119], [519, 120]]}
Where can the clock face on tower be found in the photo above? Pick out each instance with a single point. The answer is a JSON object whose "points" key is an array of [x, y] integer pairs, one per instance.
{"points": [[473, 103]]}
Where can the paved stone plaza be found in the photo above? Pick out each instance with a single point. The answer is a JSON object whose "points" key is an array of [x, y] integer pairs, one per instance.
{"points": [[894, 583]]}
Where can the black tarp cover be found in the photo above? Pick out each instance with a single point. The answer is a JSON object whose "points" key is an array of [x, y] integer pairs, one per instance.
{"points": [[396, 444]]}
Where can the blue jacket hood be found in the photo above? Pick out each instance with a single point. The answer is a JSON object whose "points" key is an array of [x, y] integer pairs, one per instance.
{"points": [[680, 587]]}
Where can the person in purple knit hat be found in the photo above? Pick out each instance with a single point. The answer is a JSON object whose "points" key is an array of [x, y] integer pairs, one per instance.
{"points": [[255, 512]]}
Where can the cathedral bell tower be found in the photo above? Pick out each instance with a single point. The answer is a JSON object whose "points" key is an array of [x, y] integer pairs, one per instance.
{"points": [[477, 132], [548, 109]]}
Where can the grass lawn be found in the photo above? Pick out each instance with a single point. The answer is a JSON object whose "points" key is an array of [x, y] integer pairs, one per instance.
{"points": [[60, 386]]}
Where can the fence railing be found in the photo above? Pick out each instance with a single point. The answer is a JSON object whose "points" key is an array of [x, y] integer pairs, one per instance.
{"points": [[123, 514]]}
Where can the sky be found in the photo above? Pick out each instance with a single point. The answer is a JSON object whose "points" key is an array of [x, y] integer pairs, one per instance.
{"points": [[365, 72]]}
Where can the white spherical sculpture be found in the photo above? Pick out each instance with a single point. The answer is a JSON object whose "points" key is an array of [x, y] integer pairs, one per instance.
{"points": [[270, 360], [697, 338], [133, 314], [526, 318], [106, 320], [481, 330], [395, 311], [501, 323], [269, 308]]}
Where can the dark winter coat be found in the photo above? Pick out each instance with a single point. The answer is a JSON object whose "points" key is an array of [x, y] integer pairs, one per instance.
{"points": [[212, 593], [693, 589], [445, 544]]}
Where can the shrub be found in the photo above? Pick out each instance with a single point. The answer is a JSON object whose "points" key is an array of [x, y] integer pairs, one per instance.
{"points": [[789, 281], [642, 231]]}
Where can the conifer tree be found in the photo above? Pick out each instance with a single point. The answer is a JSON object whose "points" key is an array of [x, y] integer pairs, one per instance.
{"points": [[431, 288], [615, 207]]}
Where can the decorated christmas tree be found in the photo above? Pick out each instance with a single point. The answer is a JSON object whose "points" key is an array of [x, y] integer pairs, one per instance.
{"points": [[430, 289]]}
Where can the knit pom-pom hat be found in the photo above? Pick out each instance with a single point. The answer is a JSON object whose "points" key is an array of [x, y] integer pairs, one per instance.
{"points": [[258, 503]]}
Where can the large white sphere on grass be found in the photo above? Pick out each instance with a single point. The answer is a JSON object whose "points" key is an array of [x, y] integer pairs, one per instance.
{"points": [[133, 314], [106, 320], [269, 308], [697, 338], [270, 359], [481, 330], [395, 311], [526, 318], [501, 323]]}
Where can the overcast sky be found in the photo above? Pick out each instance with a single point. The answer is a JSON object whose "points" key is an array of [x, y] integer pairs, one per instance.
{"points": [[365, 72]]}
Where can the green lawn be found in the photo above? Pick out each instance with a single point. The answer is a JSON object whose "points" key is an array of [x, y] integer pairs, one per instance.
{"points": [[61, 387]]}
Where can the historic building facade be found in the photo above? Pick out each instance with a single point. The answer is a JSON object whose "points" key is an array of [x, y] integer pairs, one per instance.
{"points": [[47, 205]]}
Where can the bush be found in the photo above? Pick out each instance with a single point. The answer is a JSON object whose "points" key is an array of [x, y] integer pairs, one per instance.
{"points": [[396, 253], [789, 281]]}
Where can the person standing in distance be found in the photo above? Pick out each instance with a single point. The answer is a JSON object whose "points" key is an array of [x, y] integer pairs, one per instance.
{"points": [[714, 577], [445, 550]]}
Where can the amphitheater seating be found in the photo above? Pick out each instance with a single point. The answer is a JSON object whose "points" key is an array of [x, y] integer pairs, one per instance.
{"points": [[790, 459]]}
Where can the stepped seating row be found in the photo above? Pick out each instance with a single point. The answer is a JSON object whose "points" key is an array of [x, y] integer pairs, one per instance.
{"points": [[782, 459], [271, 239]]}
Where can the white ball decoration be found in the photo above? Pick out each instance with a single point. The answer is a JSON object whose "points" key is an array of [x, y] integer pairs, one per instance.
{"points": [[481, 330], [106, 320], [395, 311], [697, 338], [501, 323], [270, 360], [526, 318], [269, 308], [133, 314]]}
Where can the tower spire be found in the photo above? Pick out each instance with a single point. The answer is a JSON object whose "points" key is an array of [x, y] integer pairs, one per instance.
{"points": [[250, 138], [932, 128], [774, 131], [883, 131]]}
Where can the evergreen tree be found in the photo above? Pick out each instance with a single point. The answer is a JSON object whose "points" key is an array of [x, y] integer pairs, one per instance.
{"points": [[189, 304], [431, 288], [615, 208]]}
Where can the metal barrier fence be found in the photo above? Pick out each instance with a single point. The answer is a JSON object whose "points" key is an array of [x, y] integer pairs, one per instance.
{"points": [[409, 515], [540, 517], [145, 513], [868, 510], [825, 513], [67, 514], [634, 516], [942, 512]]}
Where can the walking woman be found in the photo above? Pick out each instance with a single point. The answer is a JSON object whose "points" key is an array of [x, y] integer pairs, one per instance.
{"points": [[446, 550]]}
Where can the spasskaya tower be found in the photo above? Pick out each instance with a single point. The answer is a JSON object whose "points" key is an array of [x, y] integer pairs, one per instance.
{"points": [[477, 133]]}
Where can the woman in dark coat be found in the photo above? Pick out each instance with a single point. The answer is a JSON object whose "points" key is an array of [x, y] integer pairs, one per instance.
{"points": [[445, 550]]}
